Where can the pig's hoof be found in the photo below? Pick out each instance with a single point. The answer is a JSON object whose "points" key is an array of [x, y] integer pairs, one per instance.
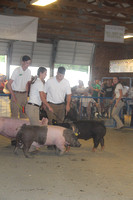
{"points": [[94, 150], [26, 156], [34, 152], [67, 149], [57, 151], [102, 148], [61, 153], [16, 153]]}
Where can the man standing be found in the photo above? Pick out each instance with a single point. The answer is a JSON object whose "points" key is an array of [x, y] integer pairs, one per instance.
{"points": [[57, 89], [96, 89], [95, 93], [18, 87]]}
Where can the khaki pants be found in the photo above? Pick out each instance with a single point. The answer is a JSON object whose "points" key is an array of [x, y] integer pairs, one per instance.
{"points": [[115, 114], [16, 111], [33, 114], [59, 111]]}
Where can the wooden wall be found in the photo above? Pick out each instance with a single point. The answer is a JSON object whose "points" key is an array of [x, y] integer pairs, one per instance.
{"points": [[106, 52]]}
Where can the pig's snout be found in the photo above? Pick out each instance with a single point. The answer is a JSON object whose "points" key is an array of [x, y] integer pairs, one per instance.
{"points": [[76, 144]]}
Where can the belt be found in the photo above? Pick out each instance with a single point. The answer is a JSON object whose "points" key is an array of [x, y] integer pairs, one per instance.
{"points": [[56, 103], [19, 91], [33, 104]]}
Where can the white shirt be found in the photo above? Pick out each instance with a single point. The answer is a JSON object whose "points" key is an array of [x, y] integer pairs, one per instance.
{"points": [[34, 96], [85, 101], [20, 79], [117, 92], [130, 95], [125, 90], [56, 91]]}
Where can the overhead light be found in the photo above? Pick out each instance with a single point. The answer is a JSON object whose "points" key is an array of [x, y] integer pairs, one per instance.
{"points": [[41, 2], [129, 35]]}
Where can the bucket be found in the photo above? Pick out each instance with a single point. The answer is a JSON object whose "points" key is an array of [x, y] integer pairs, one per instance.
{"points": [[127, 120]]}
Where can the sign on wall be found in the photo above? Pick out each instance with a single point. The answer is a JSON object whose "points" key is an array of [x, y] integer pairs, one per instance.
{"points": [[114, 33], [18, 28], [121, 66]]}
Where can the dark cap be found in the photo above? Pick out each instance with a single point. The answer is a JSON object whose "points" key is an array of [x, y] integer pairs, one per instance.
{"points": [[61, 70], [25, 58]]}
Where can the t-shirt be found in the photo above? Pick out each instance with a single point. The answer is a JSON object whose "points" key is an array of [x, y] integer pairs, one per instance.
{"points": [[35, 88], [118, 87], [95, 93], [109, 91], [56, 91], [20, 79]]}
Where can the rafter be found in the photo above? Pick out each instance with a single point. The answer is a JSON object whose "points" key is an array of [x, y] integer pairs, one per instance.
{"points": [[79, 20]]}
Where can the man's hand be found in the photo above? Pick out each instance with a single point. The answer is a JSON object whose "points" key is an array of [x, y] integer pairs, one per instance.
{"points": [[67, 109]]}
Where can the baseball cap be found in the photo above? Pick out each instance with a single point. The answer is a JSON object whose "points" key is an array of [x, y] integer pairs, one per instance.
{"points": [[61, 70]]}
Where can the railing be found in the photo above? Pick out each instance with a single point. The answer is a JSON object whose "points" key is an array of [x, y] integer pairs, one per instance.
{"points": [[126, 114], [5, 105]]}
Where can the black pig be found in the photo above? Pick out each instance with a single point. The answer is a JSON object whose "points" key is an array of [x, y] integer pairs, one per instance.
{"points": [[91, 129], [87, 129]]}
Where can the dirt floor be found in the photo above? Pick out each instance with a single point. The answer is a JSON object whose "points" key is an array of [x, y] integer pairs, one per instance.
{"points": [[79, 174]]}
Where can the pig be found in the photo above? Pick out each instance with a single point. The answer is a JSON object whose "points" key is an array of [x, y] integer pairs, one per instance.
{"points": [[45, 135], [10, 126], [87, 129]]}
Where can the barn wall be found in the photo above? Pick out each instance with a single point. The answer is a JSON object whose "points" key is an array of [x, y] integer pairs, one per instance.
{"points": [[106, 52]]}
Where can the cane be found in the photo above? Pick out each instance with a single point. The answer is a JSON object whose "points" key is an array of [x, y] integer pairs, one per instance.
{"points": [[58, 117]]}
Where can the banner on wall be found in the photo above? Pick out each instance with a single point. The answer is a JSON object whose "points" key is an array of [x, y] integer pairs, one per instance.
{"points": [[18, 28], [114, 33]]}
